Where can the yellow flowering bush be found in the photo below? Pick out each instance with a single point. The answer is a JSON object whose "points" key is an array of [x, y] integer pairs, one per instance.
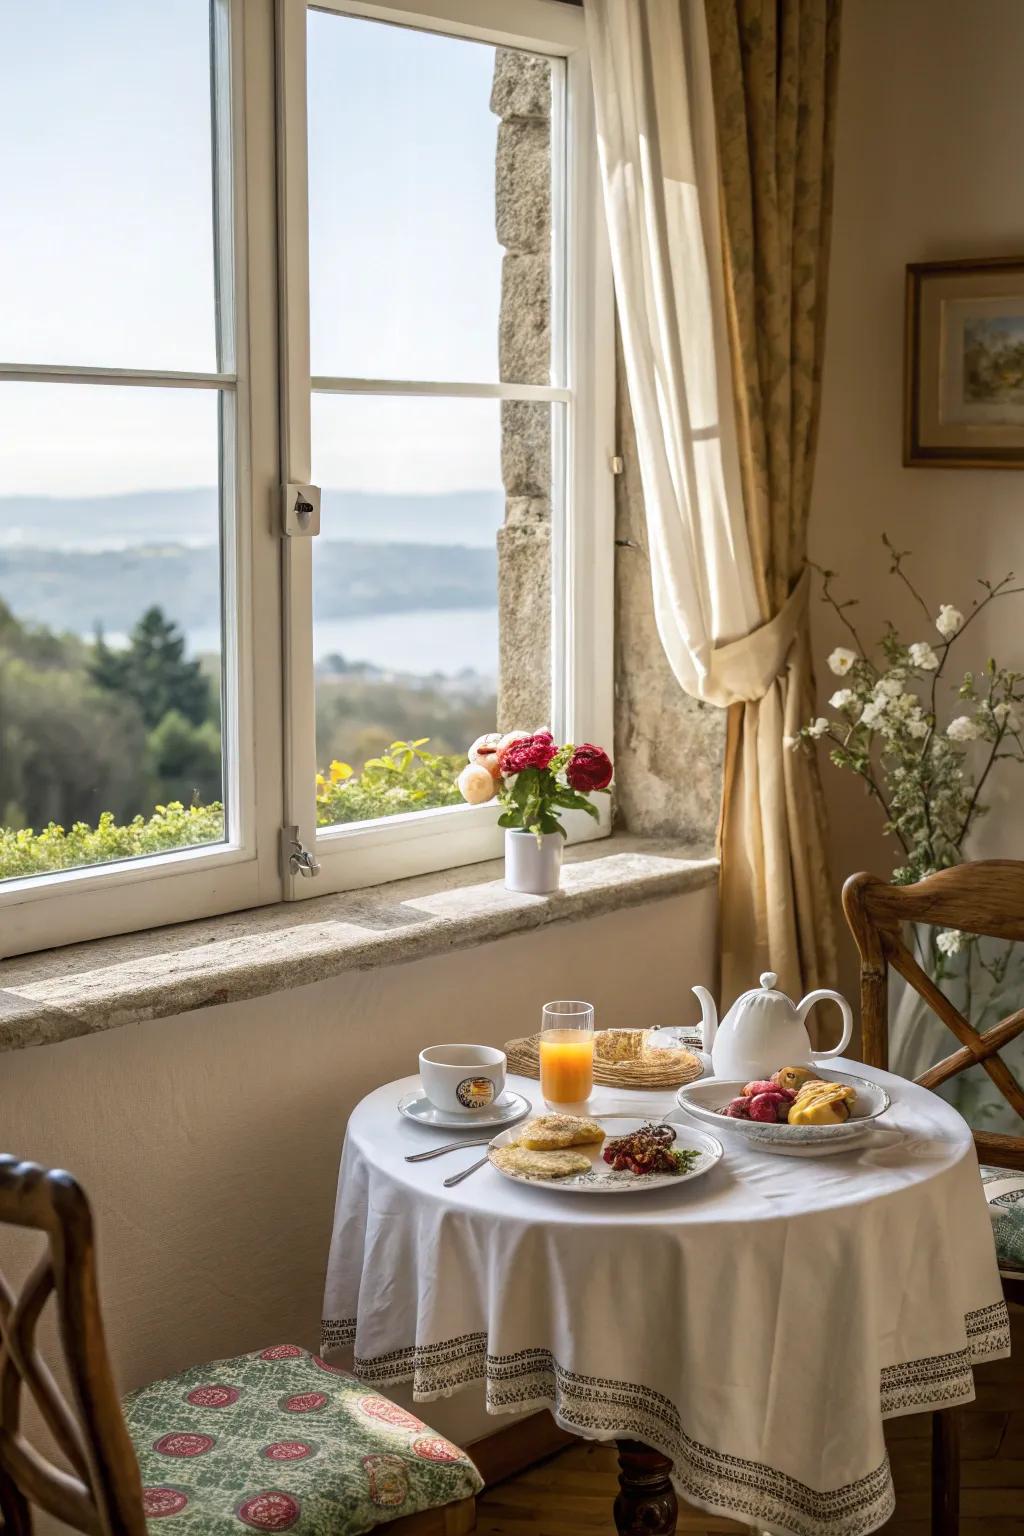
{"points": [[24, 852], [405, 778]]}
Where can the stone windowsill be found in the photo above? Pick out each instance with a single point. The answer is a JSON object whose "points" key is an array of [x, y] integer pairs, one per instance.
{"points": [[63, 993]]}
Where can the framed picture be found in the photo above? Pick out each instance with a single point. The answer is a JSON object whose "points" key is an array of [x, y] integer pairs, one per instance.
{"points": [[964, 364]]}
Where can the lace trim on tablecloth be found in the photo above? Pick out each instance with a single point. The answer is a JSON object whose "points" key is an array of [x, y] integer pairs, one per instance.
{"points": [[600, 1408]]}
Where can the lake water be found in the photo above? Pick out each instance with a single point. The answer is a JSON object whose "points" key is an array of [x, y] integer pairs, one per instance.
{"points": [[447, 640]]}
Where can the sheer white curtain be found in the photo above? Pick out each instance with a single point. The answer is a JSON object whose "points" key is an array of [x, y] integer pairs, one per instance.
{"points": [[725, 641], [656, 143]]}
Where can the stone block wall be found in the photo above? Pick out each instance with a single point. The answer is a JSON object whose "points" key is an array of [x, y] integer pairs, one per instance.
{"points": [[668, 748], [521, 99]]}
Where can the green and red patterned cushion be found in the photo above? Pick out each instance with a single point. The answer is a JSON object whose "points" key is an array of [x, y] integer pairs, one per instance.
{"points": [[282, 1441], [1004, 1191]]}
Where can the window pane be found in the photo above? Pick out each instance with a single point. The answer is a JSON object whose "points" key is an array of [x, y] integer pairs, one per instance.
{"points": [[106, 222], [110, 624], [431, 590], [429, 205]]}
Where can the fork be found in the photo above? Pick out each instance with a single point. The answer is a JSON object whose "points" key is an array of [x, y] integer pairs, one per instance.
{"points": [[449, 1146], [457, 1178]]}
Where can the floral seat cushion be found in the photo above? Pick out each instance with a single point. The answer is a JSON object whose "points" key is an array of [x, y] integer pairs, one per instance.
{"points": [[1004, 1191], [282, 1441]]}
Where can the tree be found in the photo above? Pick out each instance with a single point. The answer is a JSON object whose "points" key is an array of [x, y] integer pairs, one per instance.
{"points": [[152, 671], [184, 759]]}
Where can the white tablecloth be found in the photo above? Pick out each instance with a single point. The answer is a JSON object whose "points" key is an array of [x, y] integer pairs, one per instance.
{"points": [[756, 1324]]}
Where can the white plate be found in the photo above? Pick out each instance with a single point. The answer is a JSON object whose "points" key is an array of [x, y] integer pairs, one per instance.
{"points": [[706, 1098], [507, 1108], [602, 1180]]}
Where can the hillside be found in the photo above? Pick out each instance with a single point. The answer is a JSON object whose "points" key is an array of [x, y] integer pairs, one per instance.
{"points": [[189, 516], [74, 591]]}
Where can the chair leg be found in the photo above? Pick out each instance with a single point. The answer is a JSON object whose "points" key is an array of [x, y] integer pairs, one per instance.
{"points": [[946, 1472]]}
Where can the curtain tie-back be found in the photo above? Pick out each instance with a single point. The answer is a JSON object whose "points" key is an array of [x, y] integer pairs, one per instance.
{"points": [[744, 670]]}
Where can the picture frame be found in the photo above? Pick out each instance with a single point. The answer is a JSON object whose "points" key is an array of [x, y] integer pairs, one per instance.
{"points": [[963, 400]]}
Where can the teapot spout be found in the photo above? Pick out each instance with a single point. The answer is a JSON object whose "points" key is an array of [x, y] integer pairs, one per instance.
{"points": [[710, 1015]]}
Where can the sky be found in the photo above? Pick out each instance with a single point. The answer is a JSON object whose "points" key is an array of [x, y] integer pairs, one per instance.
{"points": [[106, 247]]}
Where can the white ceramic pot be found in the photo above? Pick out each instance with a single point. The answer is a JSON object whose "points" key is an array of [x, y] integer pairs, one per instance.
{"points": [[532, 867]]}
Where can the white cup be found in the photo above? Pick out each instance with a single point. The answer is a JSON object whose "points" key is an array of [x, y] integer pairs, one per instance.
{"points": [[462, 1079]]}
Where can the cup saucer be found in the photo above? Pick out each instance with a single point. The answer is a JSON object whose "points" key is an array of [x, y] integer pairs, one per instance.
{"points": [[506, 1110]]}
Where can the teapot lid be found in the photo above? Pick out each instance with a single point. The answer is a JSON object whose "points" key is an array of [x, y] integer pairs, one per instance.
{"points": [[766, 992]]}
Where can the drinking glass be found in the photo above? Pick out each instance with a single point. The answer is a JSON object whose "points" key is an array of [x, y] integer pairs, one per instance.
{"points": [[567, 1055]]}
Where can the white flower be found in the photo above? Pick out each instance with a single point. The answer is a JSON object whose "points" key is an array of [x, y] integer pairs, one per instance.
{"points": [[1004, 714], [841, 660], [950, 941], [843, 698], [922, 656], [873, 711], [917, 726], [963, 728], [949, 620], [476, 784], [818, 727], [890, 685], [791, 743]]}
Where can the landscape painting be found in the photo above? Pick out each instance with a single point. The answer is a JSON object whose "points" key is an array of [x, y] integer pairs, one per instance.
{"points": [[964, 364], [993, 360]]}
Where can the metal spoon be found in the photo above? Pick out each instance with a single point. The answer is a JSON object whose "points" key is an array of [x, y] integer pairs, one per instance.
{"points": [[457, 1178], [449, 1146]]}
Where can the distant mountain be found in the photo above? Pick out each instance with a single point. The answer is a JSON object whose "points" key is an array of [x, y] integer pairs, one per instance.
{"points": [[77, 590], [189, 517]]}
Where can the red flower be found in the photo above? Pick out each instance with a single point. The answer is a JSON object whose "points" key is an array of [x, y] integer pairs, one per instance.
{"points": [[589, 768], [530, 752]]}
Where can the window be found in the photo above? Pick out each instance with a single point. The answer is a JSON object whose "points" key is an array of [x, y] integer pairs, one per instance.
{"points": [[184, 686]]}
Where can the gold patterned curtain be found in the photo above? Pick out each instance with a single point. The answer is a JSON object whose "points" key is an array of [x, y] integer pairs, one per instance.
{"points": [[774, 73]]}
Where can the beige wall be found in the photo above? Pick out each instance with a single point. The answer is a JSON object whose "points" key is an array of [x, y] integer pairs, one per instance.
{"points": [[928, 165], [210, 1143]]}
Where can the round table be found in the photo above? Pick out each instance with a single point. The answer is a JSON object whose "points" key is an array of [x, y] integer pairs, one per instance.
{"points": [[752, 1327]]}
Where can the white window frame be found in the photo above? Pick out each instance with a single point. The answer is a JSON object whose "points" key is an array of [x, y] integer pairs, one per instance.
{"points": [[125, 896], [360, 854], [268, 722]]}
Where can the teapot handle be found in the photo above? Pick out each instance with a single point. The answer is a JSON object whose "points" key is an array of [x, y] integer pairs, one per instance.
{"points": [[804, 1008]]}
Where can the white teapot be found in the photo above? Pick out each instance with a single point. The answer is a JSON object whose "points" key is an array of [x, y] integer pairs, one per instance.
{"points": [[764, 1030]]}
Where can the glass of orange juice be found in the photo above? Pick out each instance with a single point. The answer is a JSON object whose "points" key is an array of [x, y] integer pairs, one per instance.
{"points": [[567, 1054]]}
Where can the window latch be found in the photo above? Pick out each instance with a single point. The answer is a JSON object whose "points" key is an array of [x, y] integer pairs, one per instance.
{"points": [[300, 511], [295, 858]]}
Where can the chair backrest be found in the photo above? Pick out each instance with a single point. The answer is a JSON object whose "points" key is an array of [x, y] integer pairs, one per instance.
{"points": [[985, 897], [101, 1492]]}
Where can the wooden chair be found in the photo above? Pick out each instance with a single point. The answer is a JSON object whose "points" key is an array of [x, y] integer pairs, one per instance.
{"points": [[985, 898], [101, 1490]]}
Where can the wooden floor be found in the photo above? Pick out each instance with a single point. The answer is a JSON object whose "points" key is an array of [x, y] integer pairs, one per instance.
{"points": [[572, 1494]]}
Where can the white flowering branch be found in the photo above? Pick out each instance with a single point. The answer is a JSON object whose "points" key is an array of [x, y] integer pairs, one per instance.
{"points": [[886, 726]]}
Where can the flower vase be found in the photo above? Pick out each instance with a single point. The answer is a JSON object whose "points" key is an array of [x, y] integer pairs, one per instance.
{"points": [[532, 865]]}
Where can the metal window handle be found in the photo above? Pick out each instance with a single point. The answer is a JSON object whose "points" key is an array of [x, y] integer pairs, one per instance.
{"points": [[301, 862], [295, 858], [300, 511]]}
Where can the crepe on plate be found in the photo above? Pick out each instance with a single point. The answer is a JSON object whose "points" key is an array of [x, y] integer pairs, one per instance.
{"points": [[550, 1133], [539, 1165]]}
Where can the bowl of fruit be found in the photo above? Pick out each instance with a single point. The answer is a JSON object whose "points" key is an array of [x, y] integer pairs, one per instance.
{"points": [[794, 1105]]}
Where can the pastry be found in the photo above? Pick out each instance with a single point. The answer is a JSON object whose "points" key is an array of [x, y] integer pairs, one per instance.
{"points": [[821, 1103], [613, 1045], [794, 1078], [549, 1133], [539, 1165]]}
